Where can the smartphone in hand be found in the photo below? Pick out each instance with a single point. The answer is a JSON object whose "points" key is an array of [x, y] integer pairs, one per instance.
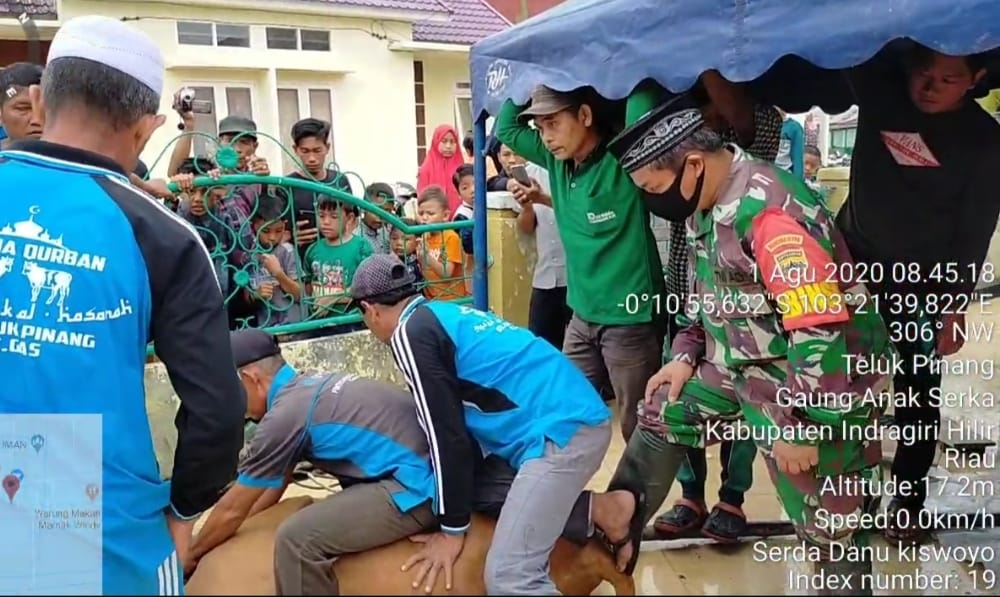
{"points": [[306, 215], [520, 174]]}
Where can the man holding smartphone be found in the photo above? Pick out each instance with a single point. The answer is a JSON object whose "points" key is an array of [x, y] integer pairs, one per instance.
{"points": [[548, 313], [311, 141]]}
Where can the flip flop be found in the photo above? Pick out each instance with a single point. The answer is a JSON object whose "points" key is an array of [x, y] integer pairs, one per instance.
{"points": [[635, 529]]}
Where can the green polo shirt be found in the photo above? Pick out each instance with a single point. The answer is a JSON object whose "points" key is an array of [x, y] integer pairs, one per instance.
{"points": [[613, 270]]}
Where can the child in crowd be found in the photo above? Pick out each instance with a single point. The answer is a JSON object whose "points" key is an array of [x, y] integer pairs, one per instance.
{"points": [[439, 253], [812, 163], [465, 182], [332, 260], [373, 228], [274, 272], [404, 245], [200, 207]]}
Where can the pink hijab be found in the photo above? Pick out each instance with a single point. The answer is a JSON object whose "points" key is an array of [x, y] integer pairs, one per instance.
{"points": [[438, 169]]}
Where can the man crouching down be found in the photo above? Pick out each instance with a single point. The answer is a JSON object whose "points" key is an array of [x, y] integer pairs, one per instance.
{"points": [[364, 432], [485, 386], [367, 434], [769, 327]]}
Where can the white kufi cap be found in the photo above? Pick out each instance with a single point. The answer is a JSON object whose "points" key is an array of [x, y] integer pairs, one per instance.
{"points": [[112, 43]]}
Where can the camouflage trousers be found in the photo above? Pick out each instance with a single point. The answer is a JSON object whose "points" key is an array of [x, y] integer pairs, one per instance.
{"points": [[715, 400]]}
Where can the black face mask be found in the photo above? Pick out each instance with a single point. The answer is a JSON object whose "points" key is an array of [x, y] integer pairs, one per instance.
{"points": [[671, 204]]}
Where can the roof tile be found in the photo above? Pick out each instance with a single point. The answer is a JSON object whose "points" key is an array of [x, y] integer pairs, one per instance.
{"points": [[471, 21], [414, 5]]}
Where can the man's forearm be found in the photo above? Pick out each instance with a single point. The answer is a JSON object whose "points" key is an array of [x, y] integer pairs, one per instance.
{"points": [[222, 524], [689, 344], [270, 498], [522, 139], [543, 199], [526, 219], [182, 148]]}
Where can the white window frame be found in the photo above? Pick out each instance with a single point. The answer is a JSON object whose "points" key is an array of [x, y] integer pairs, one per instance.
{"points": [[462, 94], [298, 41], [329, 38], [303, 89], [215, 34], [298, 38]]}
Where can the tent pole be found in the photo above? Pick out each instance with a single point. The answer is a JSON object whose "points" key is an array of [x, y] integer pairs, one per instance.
{"points": [[480, 287]]}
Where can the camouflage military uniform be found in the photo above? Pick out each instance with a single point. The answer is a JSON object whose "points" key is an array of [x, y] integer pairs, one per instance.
{"points": [[752, 332]]}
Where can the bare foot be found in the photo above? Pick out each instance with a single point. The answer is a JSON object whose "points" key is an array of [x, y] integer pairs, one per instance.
{"points": [[613, 514]]}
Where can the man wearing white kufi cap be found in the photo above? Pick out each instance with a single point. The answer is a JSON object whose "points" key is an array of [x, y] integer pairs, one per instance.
{"points": [[96, 270]]}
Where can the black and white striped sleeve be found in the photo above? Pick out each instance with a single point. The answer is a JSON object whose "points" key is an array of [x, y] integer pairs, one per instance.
{"points": [[426, 355]]}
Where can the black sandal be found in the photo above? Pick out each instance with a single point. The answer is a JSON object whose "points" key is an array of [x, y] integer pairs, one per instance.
{"points": [[686, 515], [726, 523], [909, 534], [635, 529]]}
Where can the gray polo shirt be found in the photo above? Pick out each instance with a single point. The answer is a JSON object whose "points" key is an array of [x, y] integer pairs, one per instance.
{"points": [[550, 269], [354, 429]]}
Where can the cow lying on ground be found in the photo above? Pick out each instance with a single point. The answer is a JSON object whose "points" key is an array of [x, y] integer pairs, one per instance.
{"points": [[243, 565]]}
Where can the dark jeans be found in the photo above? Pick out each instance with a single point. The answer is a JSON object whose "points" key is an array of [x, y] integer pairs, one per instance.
{"points": [[548, 314], [913, 460], [623, 357]]}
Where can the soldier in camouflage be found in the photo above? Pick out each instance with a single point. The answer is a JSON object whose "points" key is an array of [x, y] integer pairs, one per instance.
{"points": [[769, 324], [731, 111]]}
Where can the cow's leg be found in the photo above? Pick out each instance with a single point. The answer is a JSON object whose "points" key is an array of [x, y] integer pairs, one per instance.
{"points": [[358, 518], [540, 502]]}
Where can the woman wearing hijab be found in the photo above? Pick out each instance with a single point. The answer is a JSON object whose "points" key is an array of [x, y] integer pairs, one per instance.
{"points": [[443, 158]]}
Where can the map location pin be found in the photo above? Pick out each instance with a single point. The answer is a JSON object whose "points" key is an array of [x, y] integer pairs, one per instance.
{"points": [[37, 442], [10, 486], [92, 491]]}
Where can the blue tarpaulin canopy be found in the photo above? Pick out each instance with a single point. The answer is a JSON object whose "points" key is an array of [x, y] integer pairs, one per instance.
{"points": [[613, 45]]}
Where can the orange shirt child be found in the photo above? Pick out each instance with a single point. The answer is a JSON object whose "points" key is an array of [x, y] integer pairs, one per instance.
{"points": [[440, 253], [444, 247]]}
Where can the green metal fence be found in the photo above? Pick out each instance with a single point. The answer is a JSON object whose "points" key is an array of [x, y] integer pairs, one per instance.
{"points": [[257, 228]]}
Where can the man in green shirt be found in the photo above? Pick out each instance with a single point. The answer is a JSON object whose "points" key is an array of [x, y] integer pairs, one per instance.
{"points": [[614, 277]]}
